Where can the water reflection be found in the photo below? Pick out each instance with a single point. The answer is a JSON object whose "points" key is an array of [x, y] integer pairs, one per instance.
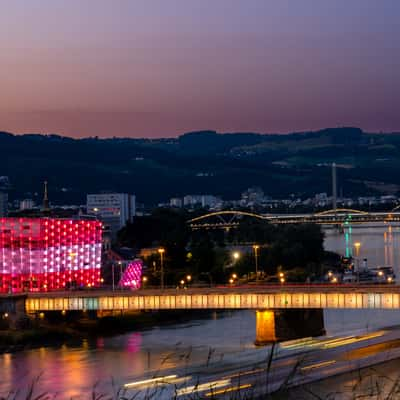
{"points": [[376, 243], [72, 370]]}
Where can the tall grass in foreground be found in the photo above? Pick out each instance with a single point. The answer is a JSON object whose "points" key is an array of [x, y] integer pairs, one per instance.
{"points": [[364, 384], [368, 386]]}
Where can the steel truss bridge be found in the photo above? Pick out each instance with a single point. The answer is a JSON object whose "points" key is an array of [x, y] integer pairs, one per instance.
{"points": [[231, 219]]}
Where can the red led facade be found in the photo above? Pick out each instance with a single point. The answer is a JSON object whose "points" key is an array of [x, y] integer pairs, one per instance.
{"points": [[42, 254]]}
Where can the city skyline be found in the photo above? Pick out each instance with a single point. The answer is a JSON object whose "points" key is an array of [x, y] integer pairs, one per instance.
{"points": [[140, 69]]}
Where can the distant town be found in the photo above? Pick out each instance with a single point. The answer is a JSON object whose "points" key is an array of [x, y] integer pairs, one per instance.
{"points": [[116, 209]]}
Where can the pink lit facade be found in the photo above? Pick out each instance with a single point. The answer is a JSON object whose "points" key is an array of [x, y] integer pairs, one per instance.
{"points": [[44, 254], [132, 276]]}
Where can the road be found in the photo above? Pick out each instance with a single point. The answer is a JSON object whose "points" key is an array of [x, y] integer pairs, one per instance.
{"points": [[218, 289], [255, 373]]}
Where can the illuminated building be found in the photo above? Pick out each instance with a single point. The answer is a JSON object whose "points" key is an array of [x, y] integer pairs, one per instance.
{"points": [[132, 276], [42, 254], [113, 209]]}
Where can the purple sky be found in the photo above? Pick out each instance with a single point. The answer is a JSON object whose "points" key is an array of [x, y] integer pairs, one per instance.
{"points": [[153, 68]]}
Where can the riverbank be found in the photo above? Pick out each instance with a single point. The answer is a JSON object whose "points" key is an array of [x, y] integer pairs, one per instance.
{"points": [[56, 330]]}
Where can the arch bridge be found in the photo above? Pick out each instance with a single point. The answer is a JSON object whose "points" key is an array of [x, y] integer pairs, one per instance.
{"points": [[340, 216]]}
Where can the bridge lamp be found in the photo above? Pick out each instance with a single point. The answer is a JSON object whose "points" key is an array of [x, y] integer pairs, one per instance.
{"points": [[380, 273], [231, 281], [255, 248], [281, 275], [5, 315], [234, 276], [357, 246], [182, 282], [282, 280], [334, 279], [188, 278], [330, 274], [390, 279], [236, 255], [161, 251]]}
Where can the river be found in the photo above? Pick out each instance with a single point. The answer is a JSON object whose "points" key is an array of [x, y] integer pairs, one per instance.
{"points": [[74, 369]]}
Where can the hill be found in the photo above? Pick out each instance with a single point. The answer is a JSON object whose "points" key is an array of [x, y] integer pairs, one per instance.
{"points": [[201, 162]]}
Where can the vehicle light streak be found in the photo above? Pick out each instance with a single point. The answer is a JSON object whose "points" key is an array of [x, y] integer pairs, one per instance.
{"points": [[318, 365], [353, 339], [204, 386], [161, 379], [244, 373], [228, 390]]}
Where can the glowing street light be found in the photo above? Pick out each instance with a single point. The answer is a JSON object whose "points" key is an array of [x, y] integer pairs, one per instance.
{"points": [[188, 278], [161, 250], [357, 246], [236, 255], [234, 276], [231, 281], [255, 248]]}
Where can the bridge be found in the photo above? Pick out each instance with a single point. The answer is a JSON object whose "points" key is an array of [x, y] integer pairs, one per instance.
{"points": [[258, 297], [340, 216], [288, 311]]}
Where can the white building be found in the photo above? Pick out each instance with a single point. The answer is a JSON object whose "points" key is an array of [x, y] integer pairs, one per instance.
{"points": [[203, 200], [114, 209], [176, 202], [26, 204], [191, 200]]}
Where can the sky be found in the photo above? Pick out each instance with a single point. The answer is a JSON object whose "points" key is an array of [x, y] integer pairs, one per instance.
{"points": [[159, 68]]}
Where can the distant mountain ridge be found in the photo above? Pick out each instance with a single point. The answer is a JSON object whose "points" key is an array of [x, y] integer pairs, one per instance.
{"points": [[200, 162]]}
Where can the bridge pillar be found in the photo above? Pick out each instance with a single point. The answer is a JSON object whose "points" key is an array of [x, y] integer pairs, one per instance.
{"points": [[279, 325], [265, 327]]}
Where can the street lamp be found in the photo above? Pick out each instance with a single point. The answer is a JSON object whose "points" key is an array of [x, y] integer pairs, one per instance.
{"points": [[357, 246], [236, 255], [188, 278], [162, 251], [144, 280], [255, 248], [120, 270], [113, 276]]}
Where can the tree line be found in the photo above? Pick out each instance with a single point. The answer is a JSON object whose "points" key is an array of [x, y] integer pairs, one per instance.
{"points": [[207, 254]]}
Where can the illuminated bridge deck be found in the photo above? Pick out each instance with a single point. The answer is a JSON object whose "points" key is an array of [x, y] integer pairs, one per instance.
{"points": [[295, 297]]}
